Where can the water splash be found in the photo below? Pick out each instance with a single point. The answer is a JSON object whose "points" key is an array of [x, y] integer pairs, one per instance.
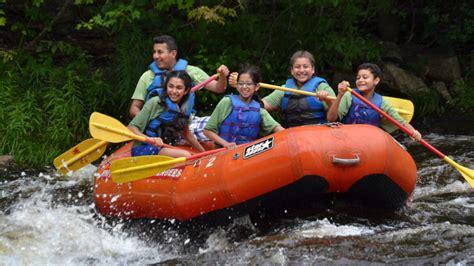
{"points": [[39, 229]]}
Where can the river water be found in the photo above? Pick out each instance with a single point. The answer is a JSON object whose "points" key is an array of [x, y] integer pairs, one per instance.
{"points": [[51, 219]]}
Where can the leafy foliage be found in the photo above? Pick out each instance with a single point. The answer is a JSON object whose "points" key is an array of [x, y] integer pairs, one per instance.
{"points": [[45, 107], [115, 16], [216, 14], [64, 59]]}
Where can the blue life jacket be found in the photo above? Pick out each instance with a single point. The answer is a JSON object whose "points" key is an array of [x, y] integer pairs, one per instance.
{"points": [[242, 125], [156, 86], [169, 124], [360, 113], [300, 109]]}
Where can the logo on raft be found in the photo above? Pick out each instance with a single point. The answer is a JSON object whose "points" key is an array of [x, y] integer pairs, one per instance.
{"points": [[173, 173], [258, 148]]}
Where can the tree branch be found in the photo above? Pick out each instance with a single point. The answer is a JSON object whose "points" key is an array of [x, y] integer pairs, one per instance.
{"points": [[40, 35]]}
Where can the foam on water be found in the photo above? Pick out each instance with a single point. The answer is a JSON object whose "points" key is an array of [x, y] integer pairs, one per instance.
{"points": [[36, 230], [445, 229], [215, 242], [463, 201], [324, 228], [40, 235], [433, 189]]}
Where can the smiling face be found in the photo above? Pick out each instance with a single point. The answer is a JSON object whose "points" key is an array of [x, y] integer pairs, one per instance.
{"points": [[302, 70], [176, 89], [164, 58], [246, 87], [366, 81]]}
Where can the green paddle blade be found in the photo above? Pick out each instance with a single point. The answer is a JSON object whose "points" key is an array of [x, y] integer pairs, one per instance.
{"points": [[140, 167], [80, 155]]}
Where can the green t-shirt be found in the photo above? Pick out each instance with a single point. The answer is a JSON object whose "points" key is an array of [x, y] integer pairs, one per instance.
{"points": [[346, 102], [196, 74], [151, 110], [224, 108], [275, 98]]}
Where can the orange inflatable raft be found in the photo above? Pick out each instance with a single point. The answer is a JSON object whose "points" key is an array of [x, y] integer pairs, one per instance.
{"points": [[360, 161]]}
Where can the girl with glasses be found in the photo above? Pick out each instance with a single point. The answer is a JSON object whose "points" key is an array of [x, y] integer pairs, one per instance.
{"points": [[239, 119]]}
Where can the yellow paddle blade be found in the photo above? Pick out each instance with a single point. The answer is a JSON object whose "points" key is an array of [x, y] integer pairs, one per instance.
{"points": [[140, 167], [80, 155], [467, 173], [404, 108], [110, 129]]}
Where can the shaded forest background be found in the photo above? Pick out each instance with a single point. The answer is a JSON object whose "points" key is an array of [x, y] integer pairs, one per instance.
{"points": [[62, 60]]}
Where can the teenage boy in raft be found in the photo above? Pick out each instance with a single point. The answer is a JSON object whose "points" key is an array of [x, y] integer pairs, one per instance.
{"points": [[351, 110]]}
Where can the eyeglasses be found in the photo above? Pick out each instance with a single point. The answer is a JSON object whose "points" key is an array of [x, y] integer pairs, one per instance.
{"points": [[243, 84]]}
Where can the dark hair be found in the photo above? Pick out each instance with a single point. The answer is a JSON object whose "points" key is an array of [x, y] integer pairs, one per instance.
{"points": [[252, 70], [168, 40], [373, 68], [254, 73], [181, 74], [302, 54]]}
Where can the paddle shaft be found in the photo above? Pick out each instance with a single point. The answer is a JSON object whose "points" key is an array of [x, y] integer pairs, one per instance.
{"points": [[170, 162], [204, 83], [398, 124], [202, 154], [131, 135], [307, 93], [149, 166]]}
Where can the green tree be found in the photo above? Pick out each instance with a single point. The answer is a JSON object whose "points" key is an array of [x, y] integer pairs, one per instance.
{"points": [[65, 59]]}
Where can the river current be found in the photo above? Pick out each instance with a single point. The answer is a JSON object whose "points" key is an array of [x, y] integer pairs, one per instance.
{"points": [[46, 218]]}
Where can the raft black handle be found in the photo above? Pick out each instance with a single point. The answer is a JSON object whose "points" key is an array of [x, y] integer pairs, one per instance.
{"points": [[354, 161]]}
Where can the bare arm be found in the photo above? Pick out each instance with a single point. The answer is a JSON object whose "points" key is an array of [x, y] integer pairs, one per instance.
{"points": [[334, 107], [219, 85], [278, 129], [416, 134], [135, 107], [268, 107], [217, 139], [158, 141], [332, 116], [192, 139]]}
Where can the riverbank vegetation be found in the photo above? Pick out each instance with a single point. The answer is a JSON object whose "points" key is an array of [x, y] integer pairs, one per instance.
{"points": [[62, 60]]}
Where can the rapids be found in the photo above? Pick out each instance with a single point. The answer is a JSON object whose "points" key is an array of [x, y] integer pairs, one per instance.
{"points": [[50, 219]]}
